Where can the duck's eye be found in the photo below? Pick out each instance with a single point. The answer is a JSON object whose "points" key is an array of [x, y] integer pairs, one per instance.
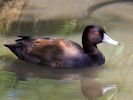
{"points": [[97, 33]]}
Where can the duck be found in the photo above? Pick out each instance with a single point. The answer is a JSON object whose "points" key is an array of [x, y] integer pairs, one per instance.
{"points": [[63, 53]]}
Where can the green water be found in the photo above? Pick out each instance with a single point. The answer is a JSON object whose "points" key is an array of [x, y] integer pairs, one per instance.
{"points": [[112, 81]]}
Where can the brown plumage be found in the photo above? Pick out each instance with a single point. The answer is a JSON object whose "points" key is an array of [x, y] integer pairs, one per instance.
{"points": [[60, 52]]}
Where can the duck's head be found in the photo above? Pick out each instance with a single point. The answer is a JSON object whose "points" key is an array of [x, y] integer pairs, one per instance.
{"points": [[93, 35]]}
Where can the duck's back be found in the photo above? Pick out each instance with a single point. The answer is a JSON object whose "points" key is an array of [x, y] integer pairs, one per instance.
{"points": [[50, 52]]}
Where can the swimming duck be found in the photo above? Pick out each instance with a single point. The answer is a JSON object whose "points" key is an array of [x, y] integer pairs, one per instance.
{"points": [[61, 52]]}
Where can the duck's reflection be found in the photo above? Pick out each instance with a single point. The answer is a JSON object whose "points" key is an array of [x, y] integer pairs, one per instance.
{"points": [[90, 86], [24, 70]]}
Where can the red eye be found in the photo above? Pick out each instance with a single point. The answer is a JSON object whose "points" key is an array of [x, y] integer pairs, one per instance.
{"points": [[97, 33]]}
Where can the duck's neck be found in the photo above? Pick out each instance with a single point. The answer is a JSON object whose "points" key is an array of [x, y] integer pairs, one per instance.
{"points": [[94, 53]]}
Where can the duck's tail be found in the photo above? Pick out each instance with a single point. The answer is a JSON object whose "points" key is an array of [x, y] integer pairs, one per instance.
{"points": [[15, 48]]}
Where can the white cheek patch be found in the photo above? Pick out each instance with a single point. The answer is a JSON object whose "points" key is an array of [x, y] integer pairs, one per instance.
{"points": [[109, 40]]}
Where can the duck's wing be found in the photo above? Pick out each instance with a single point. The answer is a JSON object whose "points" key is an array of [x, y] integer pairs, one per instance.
{"points": [[27, 38], [19, 49], [47, 50], [24, 37]]}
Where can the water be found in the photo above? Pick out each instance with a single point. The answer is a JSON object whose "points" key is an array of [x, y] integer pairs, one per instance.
{"points": [[112, 81]]}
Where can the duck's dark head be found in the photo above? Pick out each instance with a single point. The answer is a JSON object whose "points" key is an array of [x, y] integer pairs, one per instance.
{"points": [[93, 35]]}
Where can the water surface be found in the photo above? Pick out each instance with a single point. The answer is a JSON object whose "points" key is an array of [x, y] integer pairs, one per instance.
{"points": [[112, 81]]}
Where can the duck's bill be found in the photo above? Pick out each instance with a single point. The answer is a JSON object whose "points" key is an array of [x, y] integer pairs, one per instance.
{"points": [[107, 39]]}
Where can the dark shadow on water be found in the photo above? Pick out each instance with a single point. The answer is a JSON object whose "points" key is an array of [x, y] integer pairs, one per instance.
{"points": [[90, 87], [31, 27], [40, 27], [24, 70]]}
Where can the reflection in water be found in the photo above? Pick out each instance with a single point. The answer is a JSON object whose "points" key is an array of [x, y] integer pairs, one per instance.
{"points": [[24, 70], [37, 83], [90, 86]]}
